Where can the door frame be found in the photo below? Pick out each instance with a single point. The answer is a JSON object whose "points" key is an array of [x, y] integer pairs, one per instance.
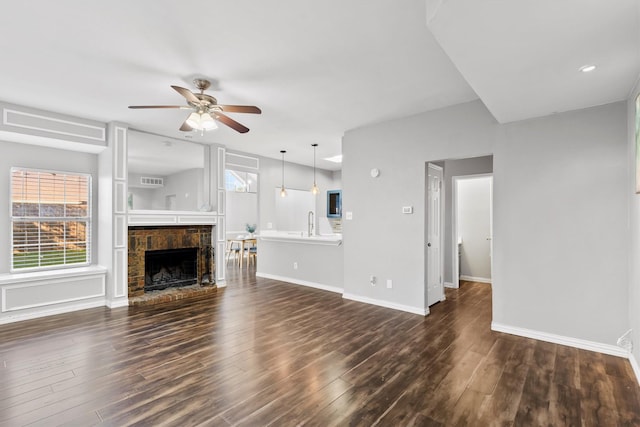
{"points": [[455, 260]]}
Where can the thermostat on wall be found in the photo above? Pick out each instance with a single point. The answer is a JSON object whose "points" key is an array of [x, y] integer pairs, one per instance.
{"points": [[407, 209]]}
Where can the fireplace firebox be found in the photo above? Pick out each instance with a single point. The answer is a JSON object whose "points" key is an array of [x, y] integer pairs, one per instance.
{"points": [[170, 268]]}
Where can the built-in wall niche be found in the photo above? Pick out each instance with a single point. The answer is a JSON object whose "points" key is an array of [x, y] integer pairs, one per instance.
{"points": [[165, 173]]}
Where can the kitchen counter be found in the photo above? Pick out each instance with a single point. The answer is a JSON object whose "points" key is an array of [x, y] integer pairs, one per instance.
{"points": [[302, 238]]}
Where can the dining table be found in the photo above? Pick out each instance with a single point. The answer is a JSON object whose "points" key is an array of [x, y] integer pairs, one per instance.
{"points": [[243, 241]]}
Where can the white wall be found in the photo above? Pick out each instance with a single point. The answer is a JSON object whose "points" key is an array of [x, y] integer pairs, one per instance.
{"points": [[242, 209], [559, 200], [634, 232], [474, 226], [187, 186], [559, 233]]}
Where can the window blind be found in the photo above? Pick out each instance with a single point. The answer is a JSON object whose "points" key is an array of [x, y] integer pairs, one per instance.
{"points": [[51, 219]]}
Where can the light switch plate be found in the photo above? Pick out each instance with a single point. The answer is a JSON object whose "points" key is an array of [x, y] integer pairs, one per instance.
{"points": [[349, 215]]}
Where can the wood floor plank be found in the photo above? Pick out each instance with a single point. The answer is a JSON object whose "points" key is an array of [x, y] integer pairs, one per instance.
{"points": [[262, 352]]}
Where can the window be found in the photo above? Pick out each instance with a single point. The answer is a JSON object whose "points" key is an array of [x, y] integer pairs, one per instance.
{"points": [[50, 219], [240, 182]]}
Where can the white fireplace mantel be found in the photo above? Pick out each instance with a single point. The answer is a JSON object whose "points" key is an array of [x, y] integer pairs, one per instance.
{"points": [[159, 218]]}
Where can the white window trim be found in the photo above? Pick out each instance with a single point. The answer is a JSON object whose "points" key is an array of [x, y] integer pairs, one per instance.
{"points": [[88, 219]]}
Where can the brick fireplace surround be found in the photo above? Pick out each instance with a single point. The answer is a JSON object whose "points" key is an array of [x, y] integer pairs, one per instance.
{"points": [[142, 239]]}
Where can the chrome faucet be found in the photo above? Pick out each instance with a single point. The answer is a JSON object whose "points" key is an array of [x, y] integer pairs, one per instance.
{"points": [[310, 223]]}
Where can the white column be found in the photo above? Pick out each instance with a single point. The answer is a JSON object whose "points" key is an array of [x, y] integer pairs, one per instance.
{"points": [[112, 221], [220, 236]]}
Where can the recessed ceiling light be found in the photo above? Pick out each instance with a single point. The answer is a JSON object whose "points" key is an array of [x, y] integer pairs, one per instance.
{"points": [[335, 159], [587, 68]]}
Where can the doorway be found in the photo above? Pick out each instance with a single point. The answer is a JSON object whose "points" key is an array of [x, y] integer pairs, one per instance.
{"points": [[472, 228], [444, 272]]}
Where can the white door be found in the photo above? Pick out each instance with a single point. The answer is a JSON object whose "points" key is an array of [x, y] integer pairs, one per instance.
{"points": [[435, 286]]}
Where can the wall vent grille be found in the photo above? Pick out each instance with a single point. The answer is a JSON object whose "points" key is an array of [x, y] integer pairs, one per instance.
{"points": [[152, 181]]}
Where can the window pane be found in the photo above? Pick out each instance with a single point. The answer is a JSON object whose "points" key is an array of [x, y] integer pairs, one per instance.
{"points": [[41, 202], [76, 254], [75, 232], [51, 232], [51, 254], [25, 233], [27, 257]]}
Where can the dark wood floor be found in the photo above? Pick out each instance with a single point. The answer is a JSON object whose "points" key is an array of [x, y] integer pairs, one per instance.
{"points": [[262, 352]]}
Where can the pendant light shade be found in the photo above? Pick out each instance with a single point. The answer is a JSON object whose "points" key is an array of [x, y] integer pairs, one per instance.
{"points": [[283, 192], [201, 121], [314, 190]]}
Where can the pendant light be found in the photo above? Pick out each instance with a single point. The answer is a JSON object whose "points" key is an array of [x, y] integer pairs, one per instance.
{"points": [[283, 192], [314, 190]]}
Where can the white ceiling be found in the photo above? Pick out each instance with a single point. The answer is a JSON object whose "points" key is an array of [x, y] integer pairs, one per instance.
{"points": [[316, 69]]}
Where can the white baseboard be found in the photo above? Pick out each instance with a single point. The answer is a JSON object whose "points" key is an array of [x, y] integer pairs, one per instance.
{"points": [[221, 284], [450, 285], [300, 282], [19, 317], [634, 365], [563, 340], [387, 304], [118, 303], [475, 279]]}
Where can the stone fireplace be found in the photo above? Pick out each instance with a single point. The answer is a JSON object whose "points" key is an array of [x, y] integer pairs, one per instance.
{"points": [[169, 256]]}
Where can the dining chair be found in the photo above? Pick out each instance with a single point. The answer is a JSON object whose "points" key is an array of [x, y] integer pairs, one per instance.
{"points": [[233, 248]]}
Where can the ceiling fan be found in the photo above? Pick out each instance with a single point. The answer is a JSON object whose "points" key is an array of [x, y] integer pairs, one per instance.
{"points": [[205, 109]]}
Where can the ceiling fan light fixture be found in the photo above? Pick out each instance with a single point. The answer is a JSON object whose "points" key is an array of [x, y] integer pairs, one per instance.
{"points": [[205, 110], [207, 122], [194, 120], [201, 121]]}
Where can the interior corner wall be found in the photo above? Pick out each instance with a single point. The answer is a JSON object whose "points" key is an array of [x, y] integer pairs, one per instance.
{"points": [[559, 230], [560, 262], [634, 229]]}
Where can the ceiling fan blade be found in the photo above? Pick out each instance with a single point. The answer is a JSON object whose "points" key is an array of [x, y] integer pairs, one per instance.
{"points": [[240, 109], [187, 94], [231, 123], [158, 106], [185, 127]]}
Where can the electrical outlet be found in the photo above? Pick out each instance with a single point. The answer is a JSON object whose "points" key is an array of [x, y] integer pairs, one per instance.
{"points": [[389, 283], [269, 225], [295, 265]]}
